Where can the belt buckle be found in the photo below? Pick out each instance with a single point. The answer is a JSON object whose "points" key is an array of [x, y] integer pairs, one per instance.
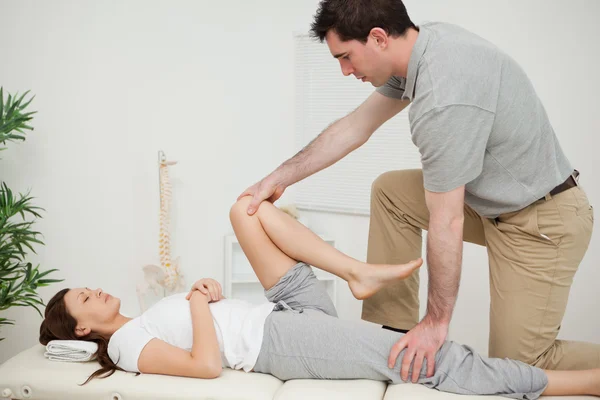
{"points": [[575, 176]]}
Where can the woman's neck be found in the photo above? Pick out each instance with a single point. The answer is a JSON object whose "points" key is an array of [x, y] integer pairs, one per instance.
{"points": [[114, 326]]}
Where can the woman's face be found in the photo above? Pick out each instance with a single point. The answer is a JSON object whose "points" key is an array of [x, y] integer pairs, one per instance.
{"points": [[93, 309]]}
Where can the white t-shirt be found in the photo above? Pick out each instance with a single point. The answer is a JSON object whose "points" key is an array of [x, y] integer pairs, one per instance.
{"points": [[238, 323]]}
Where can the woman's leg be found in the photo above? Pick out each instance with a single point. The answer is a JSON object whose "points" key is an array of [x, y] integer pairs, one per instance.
{"points": [[312, 345], [273, 242], [573, 383]]}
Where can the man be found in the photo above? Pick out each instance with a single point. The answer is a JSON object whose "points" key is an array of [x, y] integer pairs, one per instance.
{"points": [[493, 174]]}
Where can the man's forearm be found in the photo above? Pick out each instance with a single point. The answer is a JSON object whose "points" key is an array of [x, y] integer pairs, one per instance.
{"points": [[444, 259], [333, 144]]}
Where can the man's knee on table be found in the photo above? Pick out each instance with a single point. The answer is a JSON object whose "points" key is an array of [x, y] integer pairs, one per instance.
{"points": [[520, 352]]}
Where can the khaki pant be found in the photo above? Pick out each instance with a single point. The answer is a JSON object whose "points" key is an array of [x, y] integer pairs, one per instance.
{"points": [[533, 256]]}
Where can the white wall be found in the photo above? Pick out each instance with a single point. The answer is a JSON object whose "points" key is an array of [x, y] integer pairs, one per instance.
{"points": [[211, 84]]}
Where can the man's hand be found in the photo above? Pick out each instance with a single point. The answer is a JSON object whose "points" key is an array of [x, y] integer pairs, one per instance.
{"points": [[421, 342], [267, 189], [209, 287]]}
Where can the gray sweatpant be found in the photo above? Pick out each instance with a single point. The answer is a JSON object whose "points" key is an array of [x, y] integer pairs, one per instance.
{"points": [[304, 339]]}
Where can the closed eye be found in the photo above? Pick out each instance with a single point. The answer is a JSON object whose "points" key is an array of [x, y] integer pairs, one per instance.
{"points": [[86, 299]]}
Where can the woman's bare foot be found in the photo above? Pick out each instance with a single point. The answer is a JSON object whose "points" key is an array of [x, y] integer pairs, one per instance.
{"points": [[369, 278]]}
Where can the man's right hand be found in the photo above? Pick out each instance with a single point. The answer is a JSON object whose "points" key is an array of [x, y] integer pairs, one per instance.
{"points": [[267, 189]]}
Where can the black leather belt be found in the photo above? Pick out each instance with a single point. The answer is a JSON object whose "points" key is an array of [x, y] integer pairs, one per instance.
{"points": [[571, 182]]}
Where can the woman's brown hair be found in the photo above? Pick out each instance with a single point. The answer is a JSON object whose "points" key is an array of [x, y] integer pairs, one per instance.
{"points": [[58, 324]]}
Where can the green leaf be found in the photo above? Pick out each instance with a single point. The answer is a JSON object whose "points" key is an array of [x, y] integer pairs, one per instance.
{"points": [[28, 114], [26, 243], [8, 101], [11, 106], [21, 98], [28, 273], [43, 274], [38, 311], [31, 301], [27, 104], [46, 282]]}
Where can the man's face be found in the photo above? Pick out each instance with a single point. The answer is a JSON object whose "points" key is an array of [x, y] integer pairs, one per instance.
{"points": [[365, 61]]}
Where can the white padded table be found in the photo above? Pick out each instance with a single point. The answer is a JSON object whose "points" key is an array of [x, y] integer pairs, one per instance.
{"points": [[29, 375], [397, 392], [303, 389]]}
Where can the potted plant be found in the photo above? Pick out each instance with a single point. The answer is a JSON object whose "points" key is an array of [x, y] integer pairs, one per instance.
{"points": [[19, 279]]}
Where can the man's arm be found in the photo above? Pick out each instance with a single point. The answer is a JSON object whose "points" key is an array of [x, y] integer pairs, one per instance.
{"points": [[444, 258], [444, 252], [340, 138], [334, 143]]}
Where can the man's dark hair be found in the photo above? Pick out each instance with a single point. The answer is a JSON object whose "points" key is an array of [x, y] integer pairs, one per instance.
{"points": [[354, 19]]}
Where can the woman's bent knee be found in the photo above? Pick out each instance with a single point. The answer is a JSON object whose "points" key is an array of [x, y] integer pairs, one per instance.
{"points": [[239, 209]]}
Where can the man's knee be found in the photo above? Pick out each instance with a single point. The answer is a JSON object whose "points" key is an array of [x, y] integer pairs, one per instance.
{"points": [[515, 351], [382, 183], [391, 181], [560, 355]]}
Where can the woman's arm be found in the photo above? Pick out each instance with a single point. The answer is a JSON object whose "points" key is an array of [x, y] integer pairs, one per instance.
{"points": [[204, 361], [205, 347]]}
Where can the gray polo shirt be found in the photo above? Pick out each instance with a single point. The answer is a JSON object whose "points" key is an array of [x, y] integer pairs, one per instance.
{"points": [[478, 122]]}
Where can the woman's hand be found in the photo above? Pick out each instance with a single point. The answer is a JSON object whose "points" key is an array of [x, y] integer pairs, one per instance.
{"points": [[209, 287]]}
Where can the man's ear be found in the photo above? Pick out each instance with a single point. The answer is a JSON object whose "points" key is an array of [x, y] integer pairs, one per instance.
{"points": [[379, 37], [81, 331]]}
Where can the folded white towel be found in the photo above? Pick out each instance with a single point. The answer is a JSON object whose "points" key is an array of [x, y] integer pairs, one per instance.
{"points": [[70, 350]]}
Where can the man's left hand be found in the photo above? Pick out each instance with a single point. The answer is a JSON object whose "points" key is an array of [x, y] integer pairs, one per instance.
{"points": [[421, 342]]}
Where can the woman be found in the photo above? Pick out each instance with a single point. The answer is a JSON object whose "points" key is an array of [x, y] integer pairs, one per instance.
{"points": [[296, 334]]}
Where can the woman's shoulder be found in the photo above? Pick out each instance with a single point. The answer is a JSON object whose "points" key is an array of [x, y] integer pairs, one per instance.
{"points": [[126, 344], [124, 333]]}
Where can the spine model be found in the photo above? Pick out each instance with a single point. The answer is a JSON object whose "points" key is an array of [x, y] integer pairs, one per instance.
{"points": [[164, 238], [163, 279]]}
